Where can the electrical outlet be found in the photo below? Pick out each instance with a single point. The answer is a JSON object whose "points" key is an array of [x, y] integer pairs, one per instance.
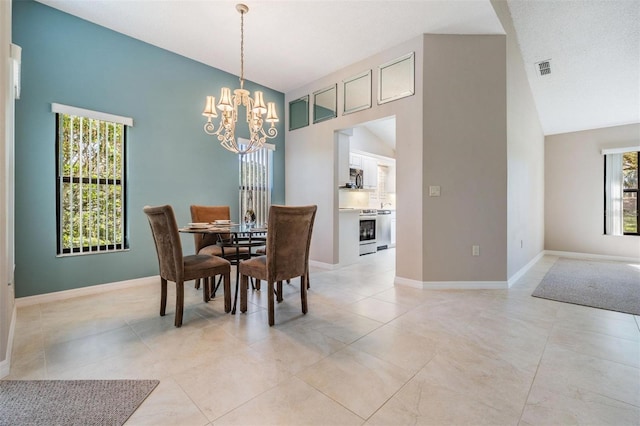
{"points": [[475, 250], [434, 191]]}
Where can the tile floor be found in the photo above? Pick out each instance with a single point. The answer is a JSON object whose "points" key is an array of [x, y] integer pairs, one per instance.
{"points": [[368, 352]]}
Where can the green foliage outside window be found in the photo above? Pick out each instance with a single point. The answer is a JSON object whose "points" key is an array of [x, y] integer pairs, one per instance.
{"points": [[91, 184]]}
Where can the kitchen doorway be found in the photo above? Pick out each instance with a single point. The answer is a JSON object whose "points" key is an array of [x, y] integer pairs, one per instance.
{"points": [[368, 150]]}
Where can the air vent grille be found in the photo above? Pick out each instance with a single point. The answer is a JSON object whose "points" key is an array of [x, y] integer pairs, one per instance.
{"points": [[543, 68]]}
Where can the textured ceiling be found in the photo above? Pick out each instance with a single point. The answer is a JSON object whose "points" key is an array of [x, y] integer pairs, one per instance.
{"points": [[594, 52], [594, 46]]}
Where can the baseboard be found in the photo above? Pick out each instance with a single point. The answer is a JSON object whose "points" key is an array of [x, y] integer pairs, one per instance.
{"points": [[322, 265], [452, 285], [83, 291], [574, 255], [5, 366], [515, 277]]}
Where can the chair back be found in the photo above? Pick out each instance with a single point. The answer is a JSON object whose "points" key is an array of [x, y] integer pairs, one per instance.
{"points": [[167, 239], [208, 214], [288, 241]]}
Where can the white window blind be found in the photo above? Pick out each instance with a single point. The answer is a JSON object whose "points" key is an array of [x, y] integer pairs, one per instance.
{"points": [[90, 181], [256, 182]]}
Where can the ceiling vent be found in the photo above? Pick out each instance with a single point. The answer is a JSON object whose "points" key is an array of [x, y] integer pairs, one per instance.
{"points": [[543, 68]]}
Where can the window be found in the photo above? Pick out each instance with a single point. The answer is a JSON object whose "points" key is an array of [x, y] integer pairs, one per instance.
{"points": [[621, 192], [630, 193], [91, 181], [255, 184]]}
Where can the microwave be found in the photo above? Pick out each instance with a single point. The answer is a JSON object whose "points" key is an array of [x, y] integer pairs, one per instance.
{"points": [[355, 178]]}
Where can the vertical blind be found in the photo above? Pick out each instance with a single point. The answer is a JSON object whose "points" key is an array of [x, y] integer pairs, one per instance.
{"points": [[256, 183], [91, 182]]}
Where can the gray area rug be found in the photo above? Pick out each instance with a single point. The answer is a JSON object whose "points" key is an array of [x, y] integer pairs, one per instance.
{"points": [[71, 402], [614, 286]]}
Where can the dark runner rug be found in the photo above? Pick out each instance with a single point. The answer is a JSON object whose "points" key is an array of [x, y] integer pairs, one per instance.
{"points": [[71, 402], [614, 286]]}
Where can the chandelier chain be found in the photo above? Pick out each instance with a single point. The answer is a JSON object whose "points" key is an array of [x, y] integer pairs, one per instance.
{"points": [[242, 50]]}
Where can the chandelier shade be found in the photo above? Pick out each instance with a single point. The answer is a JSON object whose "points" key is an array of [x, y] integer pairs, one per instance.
{"points": [[229, 105]]}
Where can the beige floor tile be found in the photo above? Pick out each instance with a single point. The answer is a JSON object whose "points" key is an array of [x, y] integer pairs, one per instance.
{"points": [[546, 406], [421, 402], [222, 385], [377, 309], [568, 372], [293, 402], [598, 345], [338, 324], [167, 405], [400, 347], [296, 348], [466, 368], [73, 354], [356, 380]]}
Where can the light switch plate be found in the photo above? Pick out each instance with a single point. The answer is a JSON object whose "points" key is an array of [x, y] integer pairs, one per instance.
{"points": [[434, 191]]}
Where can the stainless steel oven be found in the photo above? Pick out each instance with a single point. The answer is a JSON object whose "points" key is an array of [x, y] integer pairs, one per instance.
{"points": [[368, 242]]}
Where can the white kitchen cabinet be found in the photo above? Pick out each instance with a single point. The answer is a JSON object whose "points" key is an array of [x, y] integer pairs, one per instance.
{"points": [[370, 172], [355, 161]]}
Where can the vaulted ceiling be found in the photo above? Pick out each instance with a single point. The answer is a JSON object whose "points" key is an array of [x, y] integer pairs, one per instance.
{"points": [[593, 46]]}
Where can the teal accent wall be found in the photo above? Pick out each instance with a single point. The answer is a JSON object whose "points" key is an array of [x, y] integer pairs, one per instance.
{"points": [[170, 160]]}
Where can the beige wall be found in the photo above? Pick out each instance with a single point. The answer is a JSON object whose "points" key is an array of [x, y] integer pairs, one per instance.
{"points": [[525, 158], [451, 133], [465, 153], [6, 193], [574, 200]]}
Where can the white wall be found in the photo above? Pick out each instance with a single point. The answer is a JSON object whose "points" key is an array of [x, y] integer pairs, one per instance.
{"points": [[574, 201], [525, 157], [312, 154], [6, 191], [365, 140]]}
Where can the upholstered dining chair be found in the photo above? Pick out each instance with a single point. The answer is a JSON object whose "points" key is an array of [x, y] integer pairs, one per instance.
{"points": [[207, 243], [178, 268], [288, 239]]}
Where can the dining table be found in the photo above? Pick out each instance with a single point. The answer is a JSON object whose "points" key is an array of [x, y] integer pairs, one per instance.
{"points": [[232, 237]]}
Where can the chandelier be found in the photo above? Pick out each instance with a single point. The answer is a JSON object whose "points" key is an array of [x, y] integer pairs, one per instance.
{"points": [[229, 104]]}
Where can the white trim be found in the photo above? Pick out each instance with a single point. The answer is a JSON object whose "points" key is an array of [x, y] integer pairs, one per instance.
{"points": [[408, 283], [322, 265], [515, 277], [574, 255], [84, 291], [452, 285], [97, 115], [622, 150], [5, 366]]}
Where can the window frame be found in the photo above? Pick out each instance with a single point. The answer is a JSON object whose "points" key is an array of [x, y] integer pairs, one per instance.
{"points": [[120, 182]]}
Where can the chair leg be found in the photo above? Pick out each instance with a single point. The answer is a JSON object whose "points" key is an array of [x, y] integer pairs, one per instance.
{"points": [[308, 280], [303, 293], [244, 287], [163, 296], [257, 284], [270, 299], [179, 303], [227, 291], [197, 285], [279, 291], [206, 289]]}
